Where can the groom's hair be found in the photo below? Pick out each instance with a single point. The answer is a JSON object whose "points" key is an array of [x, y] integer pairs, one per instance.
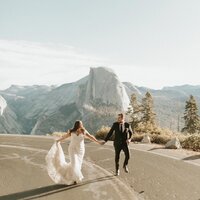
{"points": [[121, 115]]}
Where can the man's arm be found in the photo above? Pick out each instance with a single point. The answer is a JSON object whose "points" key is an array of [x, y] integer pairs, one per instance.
{"points": [[92, 138], [109, 133], [130, 131]]}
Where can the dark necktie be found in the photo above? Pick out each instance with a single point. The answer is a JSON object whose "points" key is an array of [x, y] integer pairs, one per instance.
{"points": [[121, 127]]}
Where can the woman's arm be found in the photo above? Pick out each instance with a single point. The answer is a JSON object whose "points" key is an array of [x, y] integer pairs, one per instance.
{"points": [[65, 136], [92, 138]]}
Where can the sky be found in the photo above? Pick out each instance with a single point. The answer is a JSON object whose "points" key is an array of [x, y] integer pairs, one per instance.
{"points": [[150, 43]]}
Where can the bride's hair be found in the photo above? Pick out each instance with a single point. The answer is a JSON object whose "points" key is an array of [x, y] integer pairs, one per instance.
{"points": [[77, 125]]}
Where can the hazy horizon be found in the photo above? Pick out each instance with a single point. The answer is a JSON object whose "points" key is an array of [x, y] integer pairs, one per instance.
{"points": [[57, 85], [152, 44]]}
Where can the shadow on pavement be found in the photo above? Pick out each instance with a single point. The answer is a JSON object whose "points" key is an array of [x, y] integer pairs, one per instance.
{"points": [[192, 157], [49, 190], [155, 148]]}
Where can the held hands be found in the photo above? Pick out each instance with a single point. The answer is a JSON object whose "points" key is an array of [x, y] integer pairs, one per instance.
{"points": [[128, 141]]}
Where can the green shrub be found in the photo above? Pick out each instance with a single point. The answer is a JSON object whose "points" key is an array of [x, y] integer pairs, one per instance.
{"points": [[157, 135], [192, 142], [160, 139], [137, 137], [102, 133]]}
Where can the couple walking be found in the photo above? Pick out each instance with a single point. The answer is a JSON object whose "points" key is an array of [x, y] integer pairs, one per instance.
{"points": [[68, 173]]}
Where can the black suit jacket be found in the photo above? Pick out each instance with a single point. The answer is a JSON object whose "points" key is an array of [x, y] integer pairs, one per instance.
{"points": [[120, 137]]}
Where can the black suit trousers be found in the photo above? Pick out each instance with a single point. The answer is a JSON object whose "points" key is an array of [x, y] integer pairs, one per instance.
{"points": [[118, 148]]}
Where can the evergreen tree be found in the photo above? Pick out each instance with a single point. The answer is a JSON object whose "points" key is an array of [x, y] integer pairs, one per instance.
{"points": [[148, 118], [191, 116], [134, 112], [142, 115]]}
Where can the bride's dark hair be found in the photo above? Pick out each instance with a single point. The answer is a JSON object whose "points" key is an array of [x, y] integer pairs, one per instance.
{"points": [[77, 125]]}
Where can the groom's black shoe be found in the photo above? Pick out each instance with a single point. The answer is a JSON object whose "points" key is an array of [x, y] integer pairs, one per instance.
{"points": [[126, 169], [117, 173]]}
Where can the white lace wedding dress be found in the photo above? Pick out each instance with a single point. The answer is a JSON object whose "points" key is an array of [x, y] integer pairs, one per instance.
{"points": [[64, 172]]}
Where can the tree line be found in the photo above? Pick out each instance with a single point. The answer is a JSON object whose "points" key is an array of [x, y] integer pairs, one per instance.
{"points": [[143, 118]]}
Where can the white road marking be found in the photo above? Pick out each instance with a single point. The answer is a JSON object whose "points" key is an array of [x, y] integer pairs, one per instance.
{"points": [[162, 154]]}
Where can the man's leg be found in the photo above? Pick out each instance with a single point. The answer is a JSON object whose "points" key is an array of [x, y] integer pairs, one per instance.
{"points": [[117, 156], [127, 157]]}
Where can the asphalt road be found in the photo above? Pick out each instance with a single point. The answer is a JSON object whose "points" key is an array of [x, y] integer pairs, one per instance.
{"points": [[155, 173], [23, 174]]}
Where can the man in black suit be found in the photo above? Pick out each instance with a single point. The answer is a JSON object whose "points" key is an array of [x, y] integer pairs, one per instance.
{"points": [[123, 133]]}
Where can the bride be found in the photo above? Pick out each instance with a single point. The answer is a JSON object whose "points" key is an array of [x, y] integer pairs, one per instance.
{"points": [[64, 172]]}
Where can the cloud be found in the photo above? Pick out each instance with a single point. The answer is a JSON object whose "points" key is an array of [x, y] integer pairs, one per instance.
{"points": [[30, 63], [23, 62]]}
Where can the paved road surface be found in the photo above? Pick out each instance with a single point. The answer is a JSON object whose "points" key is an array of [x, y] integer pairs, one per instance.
{"points": [[155, 173], [23, 174]]}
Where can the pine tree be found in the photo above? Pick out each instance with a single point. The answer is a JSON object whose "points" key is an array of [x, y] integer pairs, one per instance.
{"points": [[134, 112], [148, 118], [191, 117], [142, 115]]}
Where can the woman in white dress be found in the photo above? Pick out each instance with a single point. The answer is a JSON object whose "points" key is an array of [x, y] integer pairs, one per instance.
{"points": [[64, 172]]}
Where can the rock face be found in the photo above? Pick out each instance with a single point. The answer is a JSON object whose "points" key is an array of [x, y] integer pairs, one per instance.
{"points": [[8, 119], [104, 88], [173, 144], [3, 105], [95, 99], [130, 89]]}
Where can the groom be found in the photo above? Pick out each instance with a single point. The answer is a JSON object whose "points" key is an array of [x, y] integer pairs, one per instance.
{"points": [[123, 133]]}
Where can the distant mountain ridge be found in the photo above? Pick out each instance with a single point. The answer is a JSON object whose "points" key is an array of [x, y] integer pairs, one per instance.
{"points": [[95, 99]]}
